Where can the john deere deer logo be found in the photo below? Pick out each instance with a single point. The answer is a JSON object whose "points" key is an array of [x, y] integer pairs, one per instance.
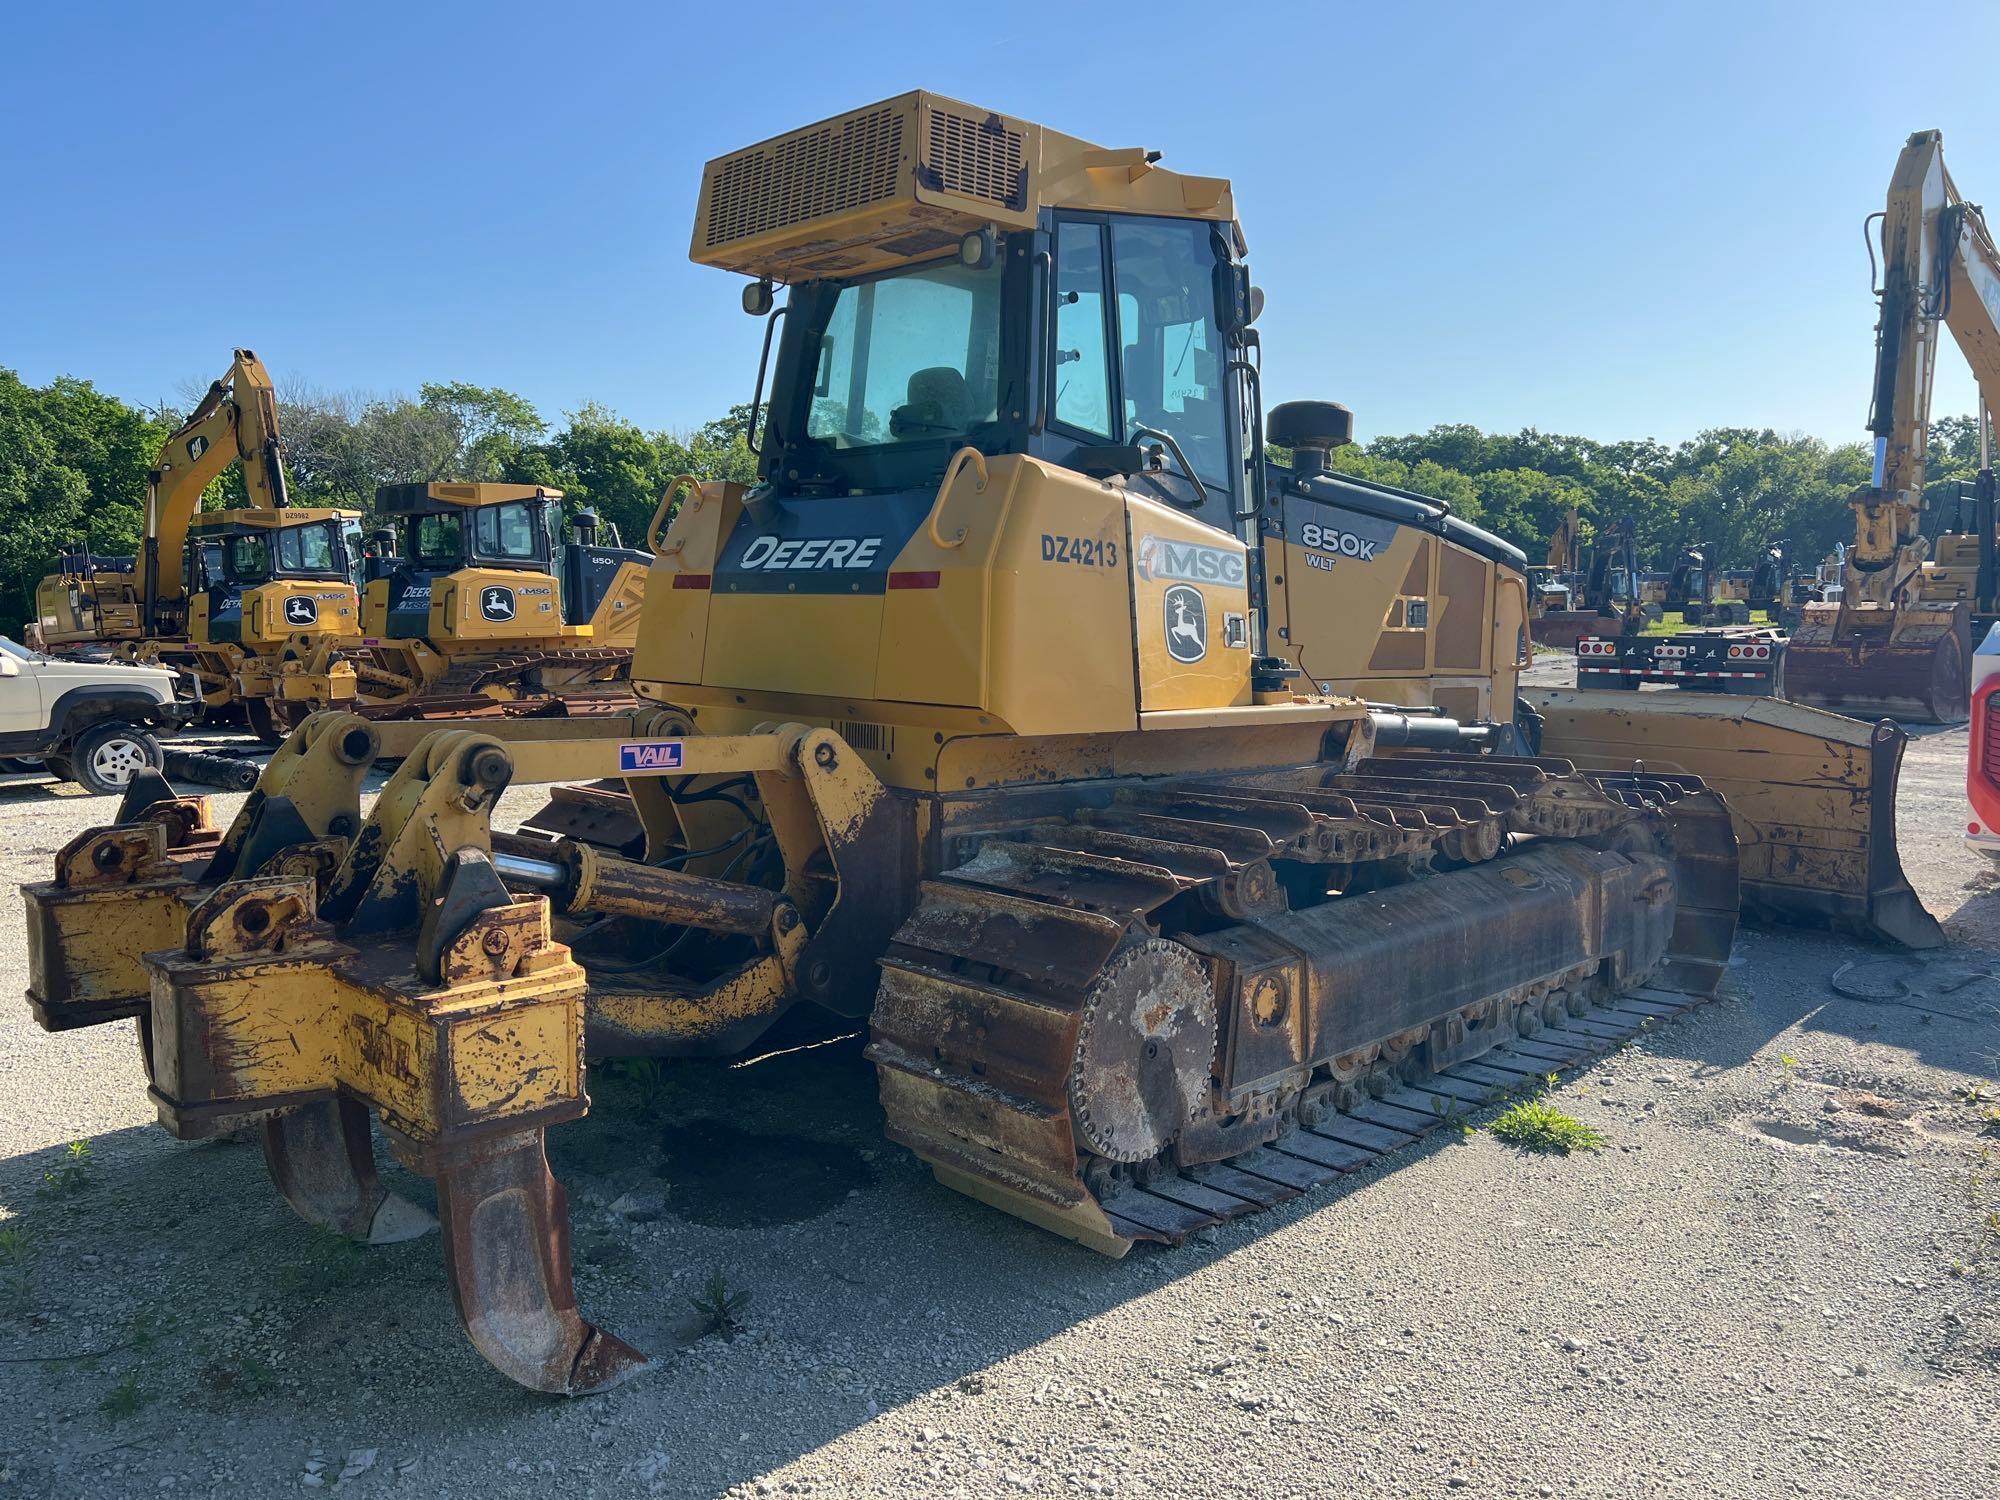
{"points": [[496, 603], [300, 609], [1187, 624]]}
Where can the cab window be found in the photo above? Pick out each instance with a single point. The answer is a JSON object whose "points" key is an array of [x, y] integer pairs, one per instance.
{"points": [[909, 357], [1082, 367], [350, 547], [249, 559], [306, 549], [434, 542], [1170, 350], [507, 533]]}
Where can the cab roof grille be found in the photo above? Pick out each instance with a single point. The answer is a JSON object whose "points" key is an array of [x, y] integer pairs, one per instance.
{"points": [[840, 166], [977, 158]]}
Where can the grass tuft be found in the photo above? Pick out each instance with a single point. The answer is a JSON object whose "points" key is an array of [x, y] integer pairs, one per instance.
{"points": [[719, 1307], [1534, 1125], [72, 1176], [125, 1399]]}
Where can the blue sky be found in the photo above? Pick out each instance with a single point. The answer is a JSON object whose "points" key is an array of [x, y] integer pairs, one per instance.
{"points": [[1604, 219]]}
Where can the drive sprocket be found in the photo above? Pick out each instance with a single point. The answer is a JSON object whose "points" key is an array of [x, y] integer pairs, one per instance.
{"points": [[1144, 1051]]}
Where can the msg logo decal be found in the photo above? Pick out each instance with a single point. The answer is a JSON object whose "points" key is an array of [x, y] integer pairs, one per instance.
{"points": [[1332, 539], [650, 755], [1188, 562]]}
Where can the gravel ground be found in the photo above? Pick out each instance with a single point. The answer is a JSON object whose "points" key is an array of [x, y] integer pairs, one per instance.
{"points": [[1781, 1278]]}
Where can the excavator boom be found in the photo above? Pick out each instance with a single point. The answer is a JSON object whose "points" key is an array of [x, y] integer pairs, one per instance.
{"points": [[1896, 644]]}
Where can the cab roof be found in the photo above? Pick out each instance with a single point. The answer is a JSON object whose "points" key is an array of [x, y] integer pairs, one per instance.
{"points": [[247, 519], [438, 499], [903, 180]]}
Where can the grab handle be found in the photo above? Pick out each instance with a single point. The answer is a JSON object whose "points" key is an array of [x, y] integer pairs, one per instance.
{"points": [[654, 537], [965, 456]]}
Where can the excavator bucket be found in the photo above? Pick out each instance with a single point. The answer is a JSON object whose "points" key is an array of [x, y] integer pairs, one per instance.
{"points": [[1909, 662], [1812, 795]]}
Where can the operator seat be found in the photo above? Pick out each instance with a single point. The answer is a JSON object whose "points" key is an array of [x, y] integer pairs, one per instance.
{"points": [[939, 405]]}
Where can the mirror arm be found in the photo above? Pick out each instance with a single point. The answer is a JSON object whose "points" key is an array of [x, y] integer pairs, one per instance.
{"points": [[757, 396]]}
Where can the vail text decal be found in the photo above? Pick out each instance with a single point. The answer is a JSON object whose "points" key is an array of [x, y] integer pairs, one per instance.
{"points": [[649, 755]]}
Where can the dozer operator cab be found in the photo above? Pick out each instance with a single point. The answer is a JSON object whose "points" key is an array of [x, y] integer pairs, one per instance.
{"points": [[252, 578], [1104, 332], [485, 561]]}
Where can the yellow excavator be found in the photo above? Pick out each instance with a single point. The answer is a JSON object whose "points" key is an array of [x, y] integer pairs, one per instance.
{"points": [[227, 597], [1561, 616], [1170, 816], [1899, 640], [476, 605]]}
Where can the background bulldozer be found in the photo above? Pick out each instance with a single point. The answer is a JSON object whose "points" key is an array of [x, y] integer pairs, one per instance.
{"points": [[1166, 813], [475, 604]]}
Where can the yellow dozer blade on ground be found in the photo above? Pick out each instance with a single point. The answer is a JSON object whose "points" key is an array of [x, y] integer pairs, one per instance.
{"points": [[1812, 795]]}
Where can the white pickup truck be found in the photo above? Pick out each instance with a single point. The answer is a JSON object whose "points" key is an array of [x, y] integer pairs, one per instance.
{"points": [[88, 722]]}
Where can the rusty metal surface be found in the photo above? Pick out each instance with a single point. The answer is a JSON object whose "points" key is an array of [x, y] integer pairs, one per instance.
{"points": [[1903, 663], [601, 814], [1811, 796], [321, 1159], [998, 1066], [505, 1221]]}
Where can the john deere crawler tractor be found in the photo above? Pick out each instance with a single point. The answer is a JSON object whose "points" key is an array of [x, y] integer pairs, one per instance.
{"points": [[1164, 812], [477, 606]]}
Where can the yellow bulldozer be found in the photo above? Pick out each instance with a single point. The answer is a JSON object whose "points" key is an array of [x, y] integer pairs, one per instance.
{"points": [[1899, 639], [1170, 816], [475, 605], [227, 597]]}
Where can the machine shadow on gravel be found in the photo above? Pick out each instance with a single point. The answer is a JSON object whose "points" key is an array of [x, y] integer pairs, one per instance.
{"points": [[773, 1171]]}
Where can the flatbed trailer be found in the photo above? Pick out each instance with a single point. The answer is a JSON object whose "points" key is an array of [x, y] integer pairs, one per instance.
{"points": [[1748, 660]]}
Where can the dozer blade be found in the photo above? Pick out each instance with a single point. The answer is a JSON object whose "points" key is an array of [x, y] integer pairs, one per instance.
{"points": [[1561, 629], [1904, 663], [1812, 795]]}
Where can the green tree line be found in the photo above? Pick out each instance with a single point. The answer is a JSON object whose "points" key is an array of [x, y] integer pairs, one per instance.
{"points": [[73, 461], [73, 464]]}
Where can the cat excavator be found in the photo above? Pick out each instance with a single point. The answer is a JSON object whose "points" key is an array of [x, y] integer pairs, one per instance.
{"points": [[1899, 639], [1170, 817], [227, 597]]}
